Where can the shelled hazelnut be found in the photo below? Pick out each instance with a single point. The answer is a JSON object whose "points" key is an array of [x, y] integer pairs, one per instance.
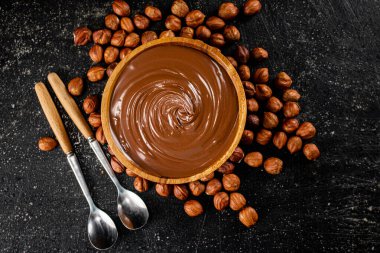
{"points": [[244, 72], [193, 208], [124, 52], [248, 216], [148, 36], [291, 109], [95, 120], [228, 11], [47, 143], [242, 54], [75, 86], [180, 8], [127, 24], [117, 167], [237, 201], [270, 120], [232, 61], [153, 13], [283, 81], [274, 105], [167, 34], [247, 137], [121, 8], [254, 159], [208, 177], [82, 35], [259, 54], [132, 40], [290, 125], [130, 173], [237, 155], [306, 131], [213, 186], [231, 182], [221, 201], [252, 105], [111, 54], [141, 184], [90, 104], [95, 73], [99, 135], [263, 136], [187, 32], [311, 152], [280, 139], [294, 144], [173, 23], [118, 38], [112, 22], [251, 7], [249, 89], [215, 23], [261, 75], [226, 168], [196, 188], [180, 191], [111, 68], [291, 96], [96, 53], [194, 18], [273, 165], [253, 121], [203, 33], [217, 40], [102, 36], [141, 22], [164, 190], [231, 33], [263, 92]]}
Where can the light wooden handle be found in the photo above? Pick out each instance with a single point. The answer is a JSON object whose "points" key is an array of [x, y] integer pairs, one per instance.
{"points": [[69, 104], [53, 117]]}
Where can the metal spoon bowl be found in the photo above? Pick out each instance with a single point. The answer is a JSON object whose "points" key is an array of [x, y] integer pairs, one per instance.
{"points": [[131, 209], [101, 229]]}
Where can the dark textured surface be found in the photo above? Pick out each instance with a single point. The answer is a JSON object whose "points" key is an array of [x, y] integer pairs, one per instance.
{"points": [[331, 48]]}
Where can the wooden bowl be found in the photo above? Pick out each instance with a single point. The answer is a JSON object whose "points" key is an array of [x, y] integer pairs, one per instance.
{"points": [[215, 54]]}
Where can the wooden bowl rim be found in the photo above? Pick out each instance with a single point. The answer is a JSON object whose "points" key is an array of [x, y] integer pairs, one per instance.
{"points": [[215, 54]]}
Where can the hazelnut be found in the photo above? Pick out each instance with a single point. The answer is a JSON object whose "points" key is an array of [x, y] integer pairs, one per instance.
{"points": [[203, 33], [164, 190], [118, 38], [249, 88], [196, 188], [291, 109], [244, 72], [221, 200], [231, 33], [270, 120], [251, 7], [112, 22], [95, 120], [110, 150], [167, 34], [173, 23], [294, 144], [82, 35], [290, 125], [110, 54], [111, 68], [95, 73], [274, 104], [102, 37], [141, 22], [252, 105], [247, 137], [291, 95], [75, 86], [127, 25], [253, 121], [237, 155], [248, 216], [263, 136], [254, 159], [180, 8], [259, 54], [194, 18], [180, 191], [121, 8], [117, 167], [242, 54], [280, 139], [217, 40], [237, 201], [193, 208], [232, 61], [263, 92], [132, 40], [273, 165], [215, 23], [141, 184], [208, 177], [47, 143], [226, 168], [261, 75], [187, 32], [306, 131], [148, 36], [129, 172], [96, 53], [283, 81], [213, 186], [228, 11], [124, 52], [100, 135], [311, 151], [153, 13], [231, 182], [90, 104]]}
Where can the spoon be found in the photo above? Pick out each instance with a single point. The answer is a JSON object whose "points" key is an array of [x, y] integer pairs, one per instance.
{"points": [[131, 209], [101, 229]]}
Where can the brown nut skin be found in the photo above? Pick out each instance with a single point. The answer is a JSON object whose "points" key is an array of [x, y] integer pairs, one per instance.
{"points": [[90, 104], [241, 54], [196, 188], [215, 23], [109, 150], [291, 109], [111, 54], [117, 167], [180, 191], [248, 216], [263, 92], [187, 32], [82, 35], [280, 139], [47, 143], [96, 53], [164, 190], [254, 159], [132, 40], [237, 155], [290, 125], [193, 208], [118, 38], [274, 105], [99, 135], [283, 81], [148, 36], [102, 36], [244, 72], [95, 73], [228, 11], [167, 34], [180, 8], [306, 131], [217, 40], [124, 52], [226, 168], [251, 7], [111, 68], [294, 144], [261, 75], [121, 8], [130, 173], [253, 121], [237, 201], [291, 95], [203, 33], [141, 22], [141, 184], [213, 187], [112, 22], [153, 13], [249, 89], [270, 120], [95, 120], [247, 137], [252, 105], [173, 23], [127, 24], [75, 86], [221, 201], [311, 152], [231, 33], [263, 136], [259, 54], [232, 61], [208, 177], [231, 182], [194, 18], [273, 165]]}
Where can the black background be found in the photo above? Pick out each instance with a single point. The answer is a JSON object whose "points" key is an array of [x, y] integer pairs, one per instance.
{"points": [[329, 47]]}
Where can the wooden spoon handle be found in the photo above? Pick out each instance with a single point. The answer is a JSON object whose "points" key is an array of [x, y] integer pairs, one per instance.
{"points": [[69, 104], [53, 117]]}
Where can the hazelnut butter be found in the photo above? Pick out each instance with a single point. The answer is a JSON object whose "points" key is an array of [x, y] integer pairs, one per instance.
{"points": [[174, 111]]}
